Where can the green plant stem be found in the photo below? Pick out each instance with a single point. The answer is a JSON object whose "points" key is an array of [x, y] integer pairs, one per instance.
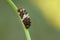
{"points": [[15, 9]]}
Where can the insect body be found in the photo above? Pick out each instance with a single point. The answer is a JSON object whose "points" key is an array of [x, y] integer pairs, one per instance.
{"points": [[25, 17]]}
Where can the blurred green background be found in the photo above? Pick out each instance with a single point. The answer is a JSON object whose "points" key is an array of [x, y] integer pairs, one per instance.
{"points": [[11, 27]]}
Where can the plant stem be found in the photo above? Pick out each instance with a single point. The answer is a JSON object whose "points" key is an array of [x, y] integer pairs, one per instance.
{"points": [[15, 9]]}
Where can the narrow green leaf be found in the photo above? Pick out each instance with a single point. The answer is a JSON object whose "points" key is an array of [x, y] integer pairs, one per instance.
{"points": [[15, 9]]}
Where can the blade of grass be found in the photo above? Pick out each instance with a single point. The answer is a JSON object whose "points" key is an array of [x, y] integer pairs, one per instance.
{"points": [[15, 9]]}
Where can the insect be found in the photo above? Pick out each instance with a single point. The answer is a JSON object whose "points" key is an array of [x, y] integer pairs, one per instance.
{"points": [[25, 17]]}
